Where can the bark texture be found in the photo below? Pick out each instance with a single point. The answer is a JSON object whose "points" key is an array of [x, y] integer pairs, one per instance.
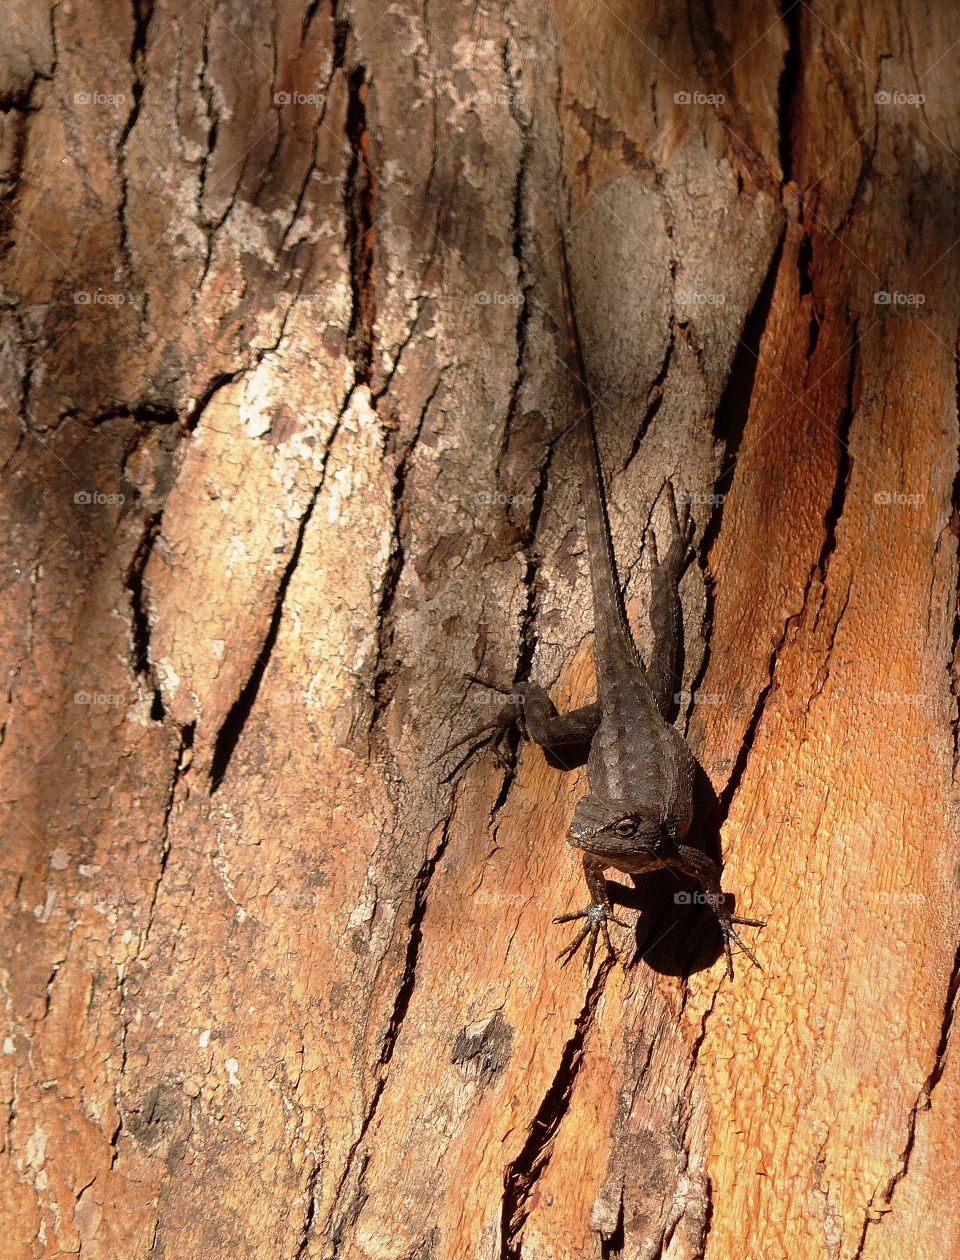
{"points": [[283, 455]]}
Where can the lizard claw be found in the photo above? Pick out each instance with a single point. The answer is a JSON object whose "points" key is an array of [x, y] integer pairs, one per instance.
{"points": [[732, 937], [493, 733], [597, 916]]}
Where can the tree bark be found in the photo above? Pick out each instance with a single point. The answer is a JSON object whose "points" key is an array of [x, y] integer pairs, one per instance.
{"points": [[284, 456]]}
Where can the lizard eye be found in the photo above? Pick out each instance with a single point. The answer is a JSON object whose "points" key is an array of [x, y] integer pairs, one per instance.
{"points": [[625, 828]]}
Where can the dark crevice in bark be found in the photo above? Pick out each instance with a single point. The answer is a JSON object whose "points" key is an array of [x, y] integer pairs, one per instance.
{"points": [[21, 101], [142, 13], [813, 336], [684, 1114], [208, 227], [820, 568], [805, 289], [140, 661], [838, 498], [869, 154], [953, 664], [359, 197], [379, 390], [701, 1251], [343, 1214], [408, 981], [528, 637], [229, 734], [341, 32], [733, 409], [612, 1247], [923, 1102], [805, 264], [666, 1237], [522, 1174], [48, 989], [201, 403], [232, 728], [823, 673], [309, 13], [527, 634], [183, 763], [654, 399], [523, 280], [385, 678], [790, 80], [746, 742], [729, 426], [309, 1216]]}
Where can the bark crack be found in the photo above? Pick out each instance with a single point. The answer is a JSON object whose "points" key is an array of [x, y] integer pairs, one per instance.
{"points": [[183, 764], [386, 671], [142, 13], [229, 734], [359, 198], [140, 661], [954, 526], [842, 482], [309, 1216], [655, 396], [924, 1101], [522, 1174], [791, 14], [729, 425], [212, 114], [357, 1159]]}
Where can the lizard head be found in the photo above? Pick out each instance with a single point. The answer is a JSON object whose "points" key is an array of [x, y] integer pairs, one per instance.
{"points": [[619, 828]]}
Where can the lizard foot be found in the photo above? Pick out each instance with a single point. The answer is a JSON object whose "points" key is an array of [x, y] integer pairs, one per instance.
{"points": [[731, 937], [493, 734], [682, 527], [597, 917]]}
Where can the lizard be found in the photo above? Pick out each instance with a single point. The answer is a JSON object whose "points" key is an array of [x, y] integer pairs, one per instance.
{"points": [[640, 771]]}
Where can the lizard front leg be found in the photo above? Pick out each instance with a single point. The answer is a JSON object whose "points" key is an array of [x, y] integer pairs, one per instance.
{"points": [[703, 869], [597, 915]]}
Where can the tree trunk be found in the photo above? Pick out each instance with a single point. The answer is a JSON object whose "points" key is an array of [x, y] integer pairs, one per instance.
{"points": [[284, 456]]}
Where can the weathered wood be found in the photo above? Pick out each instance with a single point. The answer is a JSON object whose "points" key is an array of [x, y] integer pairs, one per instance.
{"points": [[284, 455]]}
